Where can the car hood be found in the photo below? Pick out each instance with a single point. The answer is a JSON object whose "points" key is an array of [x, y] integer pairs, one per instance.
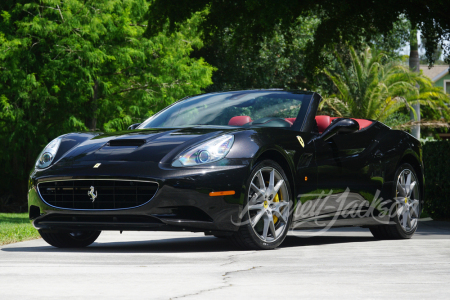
{"points": [[150, 145]]}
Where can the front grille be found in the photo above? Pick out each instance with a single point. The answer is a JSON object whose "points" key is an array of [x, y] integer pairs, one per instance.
{"points": [[111, 194]]}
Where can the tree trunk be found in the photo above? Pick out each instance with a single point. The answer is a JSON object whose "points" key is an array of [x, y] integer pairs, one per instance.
{"points": [[414, 65], [91, 118]]}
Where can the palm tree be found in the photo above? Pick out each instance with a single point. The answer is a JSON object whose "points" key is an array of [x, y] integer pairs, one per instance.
{"points": [[374, 88]]}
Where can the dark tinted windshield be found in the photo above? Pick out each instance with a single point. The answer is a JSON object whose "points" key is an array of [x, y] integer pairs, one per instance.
{"points": [[220, 108]]}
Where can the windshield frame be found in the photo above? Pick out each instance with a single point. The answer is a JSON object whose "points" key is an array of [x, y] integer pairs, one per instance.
{"points": [[302, 96]]}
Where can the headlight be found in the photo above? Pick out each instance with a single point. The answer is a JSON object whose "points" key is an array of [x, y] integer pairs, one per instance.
{"points": [[48, 154], [210, 151]]}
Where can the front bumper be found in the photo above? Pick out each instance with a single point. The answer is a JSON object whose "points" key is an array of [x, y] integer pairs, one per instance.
{"points": [[182, 201]]}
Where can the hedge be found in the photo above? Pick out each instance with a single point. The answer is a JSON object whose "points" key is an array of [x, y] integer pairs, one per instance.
{"points": [[436, 159]]}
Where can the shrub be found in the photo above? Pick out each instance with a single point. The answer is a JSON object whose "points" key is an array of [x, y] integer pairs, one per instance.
{"points": [[436, 158]]}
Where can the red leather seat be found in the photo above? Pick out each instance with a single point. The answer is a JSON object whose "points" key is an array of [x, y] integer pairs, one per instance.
{"points": [[239, 120], [323, 122], [290, 120], [332, 118]]}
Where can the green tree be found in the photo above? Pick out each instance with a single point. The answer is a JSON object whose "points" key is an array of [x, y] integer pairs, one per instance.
{"points": [[279, 61], [390, 43], [76, 65], [375, 88], [352, 21], [275, 62]]}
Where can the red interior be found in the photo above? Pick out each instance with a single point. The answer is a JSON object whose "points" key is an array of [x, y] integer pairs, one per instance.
{"points": [[322, 121], [363, 123], [290, 120], [239, 120]]}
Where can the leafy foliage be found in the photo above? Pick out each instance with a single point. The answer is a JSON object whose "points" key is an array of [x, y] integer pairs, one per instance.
{"points": [[390, 43], [280, 60], [75, 65], [436, 157], [375, 88], [397, 119], [352, 21], [275, 62]]}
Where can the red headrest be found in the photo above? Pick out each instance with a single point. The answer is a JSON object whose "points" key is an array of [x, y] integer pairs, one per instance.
{"points": [[323, 122], [239, 120]]}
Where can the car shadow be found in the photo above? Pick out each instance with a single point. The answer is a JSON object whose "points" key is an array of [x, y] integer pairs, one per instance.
{"points": [[296, 241], [186, 245], [206, 244]]}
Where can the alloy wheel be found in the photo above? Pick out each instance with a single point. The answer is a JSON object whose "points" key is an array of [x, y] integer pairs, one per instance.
{"points": [[268, 204], [407, 200]]}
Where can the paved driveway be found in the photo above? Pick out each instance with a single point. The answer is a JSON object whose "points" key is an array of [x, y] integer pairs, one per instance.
{"points": [[342, 263]]}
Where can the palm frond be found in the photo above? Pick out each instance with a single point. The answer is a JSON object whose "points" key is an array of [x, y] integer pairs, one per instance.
{"points": [[374, 88]]}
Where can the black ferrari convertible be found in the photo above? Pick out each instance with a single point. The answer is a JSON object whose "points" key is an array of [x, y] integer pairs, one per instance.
{"points": [[245, 165]]}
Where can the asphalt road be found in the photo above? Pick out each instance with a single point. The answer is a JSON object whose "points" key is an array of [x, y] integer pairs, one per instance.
{"points": [[342, 263]]}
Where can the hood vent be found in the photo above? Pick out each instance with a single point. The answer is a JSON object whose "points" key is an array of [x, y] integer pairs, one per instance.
{"points": [[127, 142]]}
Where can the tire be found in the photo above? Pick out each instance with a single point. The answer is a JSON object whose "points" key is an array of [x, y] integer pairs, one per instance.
{"points": [[70, 239], [407, 212], [265, 208]]}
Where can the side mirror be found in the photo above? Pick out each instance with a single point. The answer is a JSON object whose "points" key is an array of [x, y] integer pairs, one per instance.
{"points": [[133, 126], [340, 126]]}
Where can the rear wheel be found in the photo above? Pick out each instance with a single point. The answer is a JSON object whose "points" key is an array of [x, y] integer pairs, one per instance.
{"points": [[266, 218], [407, 200], [70, 239]]}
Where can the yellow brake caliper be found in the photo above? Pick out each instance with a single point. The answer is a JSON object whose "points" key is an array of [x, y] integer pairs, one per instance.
{"points": [[276, 199]]}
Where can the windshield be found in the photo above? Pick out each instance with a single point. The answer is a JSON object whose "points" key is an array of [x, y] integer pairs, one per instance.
{"points": [[220, 108]]}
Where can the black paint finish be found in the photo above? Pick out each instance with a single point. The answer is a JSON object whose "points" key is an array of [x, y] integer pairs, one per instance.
{"points": [[362, 161]]}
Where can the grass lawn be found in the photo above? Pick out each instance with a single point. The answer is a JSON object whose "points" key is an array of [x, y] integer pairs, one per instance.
{"points": [[16, 228]]}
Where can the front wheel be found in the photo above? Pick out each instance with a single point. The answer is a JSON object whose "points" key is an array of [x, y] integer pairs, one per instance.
{"points": [[70, 239], [266, 218], [407, 200]]}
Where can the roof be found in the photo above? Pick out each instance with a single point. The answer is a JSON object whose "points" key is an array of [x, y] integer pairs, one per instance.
{"points": [[436, 72]]}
